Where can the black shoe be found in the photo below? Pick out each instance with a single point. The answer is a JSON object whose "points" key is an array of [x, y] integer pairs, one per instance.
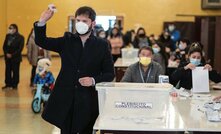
{"points": [[6, 87]]}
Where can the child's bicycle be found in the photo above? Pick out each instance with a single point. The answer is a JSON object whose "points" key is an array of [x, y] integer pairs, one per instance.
{"points": [[39, 97]]}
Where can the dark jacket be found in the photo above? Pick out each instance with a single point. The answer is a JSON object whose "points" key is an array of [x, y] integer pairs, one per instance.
{"points": [[13, 45], [185, 76], [93, 60], [138, 44]]}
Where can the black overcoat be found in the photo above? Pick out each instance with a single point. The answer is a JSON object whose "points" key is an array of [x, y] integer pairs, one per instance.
{"points": [[92, 60]]}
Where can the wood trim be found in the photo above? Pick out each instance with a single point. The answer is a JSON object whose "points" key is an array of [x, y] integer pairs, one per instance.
{"points": [[217, 55]]}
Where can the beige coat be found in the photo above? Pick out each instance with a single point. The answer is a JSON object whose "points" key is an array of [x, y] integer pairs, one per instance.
{"points": [[32, 52]]}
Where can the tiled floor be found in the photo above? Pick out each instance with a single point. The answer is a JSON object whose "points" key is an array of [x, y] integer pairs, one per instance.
{"points": [[16, 116]]}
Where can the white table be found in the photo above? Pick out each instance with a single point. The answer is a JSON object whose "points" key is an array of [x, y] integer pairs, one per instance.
{"points": [[173, 122], [194, 119], [182, 115], [112, 119]]}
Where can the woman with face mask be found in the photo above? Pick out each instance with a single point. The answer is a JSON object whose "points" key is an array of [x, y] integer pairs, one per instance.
{"points": [[160, 55], [174, 34], [102, 34], [184, 71], [182, 50], [141, 39], [166, 39], [145, 70]]}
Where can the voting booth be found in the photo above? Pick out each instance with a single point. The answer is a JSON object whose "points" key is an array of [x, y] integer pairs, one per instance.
{"points": [[129, 105]]}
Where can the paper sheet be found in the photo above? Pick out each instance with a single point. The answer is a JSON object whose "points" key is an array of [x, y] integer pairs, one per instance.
{"points": [[200, 80]]}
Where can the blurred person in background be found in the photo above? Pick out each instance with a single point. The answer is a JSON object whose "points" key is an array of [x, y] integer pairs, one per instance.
{"points": [[12, 47], [102, 34], [152, 39], [141, 39], [174, 35], [128, 39], [160, 56], [116, 41], [182, 50], [34, 53], [166, 39]]}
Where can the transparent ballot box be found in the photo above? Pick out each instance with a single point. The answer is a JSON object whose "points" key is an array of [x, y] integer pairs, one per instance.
{"points": [[132, 103], [129, 55]]}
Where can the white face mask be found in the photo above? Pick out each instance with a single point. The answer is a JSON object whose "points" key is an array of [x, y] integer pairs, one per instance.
{"points": [[81, 27], [171, 28], [156, 50], [181, 47], [102, 35]]}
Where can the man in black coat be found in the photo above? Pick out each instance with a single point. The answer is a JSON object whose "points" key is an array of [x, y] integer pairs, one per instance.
{"points": [[12, 47], [86, 60]]}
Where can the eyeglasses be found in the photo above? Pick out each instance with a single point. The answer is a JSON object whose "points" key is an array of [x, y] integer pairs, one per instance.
{"points": [[10, 28]]}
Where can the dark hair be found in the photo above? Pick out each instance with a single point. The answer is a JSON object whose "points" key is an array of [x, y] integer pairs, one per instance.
{"points": [[132, 31], [141, 28], [152, 35], [127, 38], [162, 51], [145, 48], [118, 32], [185, 41], [15, 27], [86, 11], [99, 31], [195, 47]]}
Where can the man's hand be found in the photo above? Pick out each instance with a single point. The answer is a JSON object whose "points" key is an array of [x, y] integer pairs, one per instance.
{"points": [[86, 81], [9, 56], [46, 15]]}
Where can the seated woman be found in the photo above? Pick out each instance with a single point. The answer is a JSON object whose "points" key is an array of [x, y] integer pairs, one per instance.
{"points": [[160, 55], [144, 71], [184, 72]]}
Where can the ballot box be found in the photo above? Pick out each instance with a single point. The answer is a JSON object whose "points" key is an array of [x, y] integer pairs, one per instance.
{"points": [[129, 55], [132, 105]]}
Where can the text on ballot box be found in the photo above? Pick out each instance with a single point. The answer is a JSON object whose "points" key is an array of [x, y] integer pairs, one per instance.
{"points": [[133, 102], [200, 80]]}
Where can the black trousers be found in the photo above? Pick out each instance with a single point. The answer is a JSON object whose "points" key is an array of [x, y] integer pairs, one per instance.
{"points": [[33, 73], [68, 130], [71, 123], [12, 73], [68, 127]]}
